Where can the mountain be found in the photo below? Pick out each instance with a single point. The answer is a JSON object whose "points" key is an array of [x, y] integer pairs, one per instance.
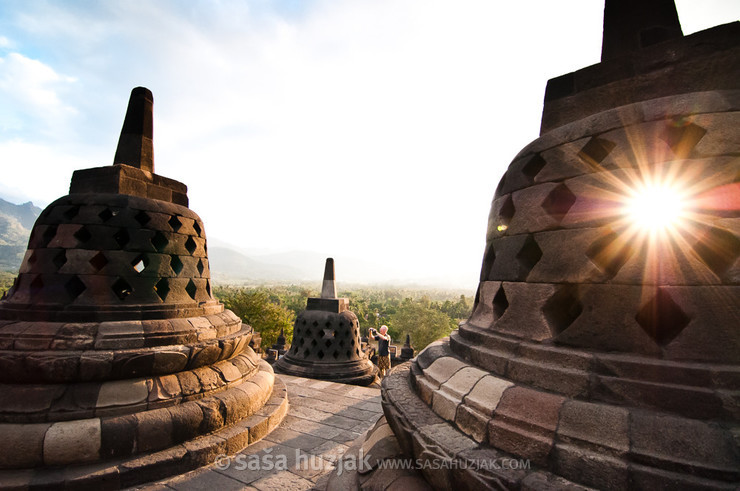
{"points": [[16, 222]]}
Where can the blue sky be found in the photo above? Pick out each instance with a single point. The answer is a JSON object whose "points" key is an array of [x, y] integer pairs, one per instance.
{"points": [[374, 129]]}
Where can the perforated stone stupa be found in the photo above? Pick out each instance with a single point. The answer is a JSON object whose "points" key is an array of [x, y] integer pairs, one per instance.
{"points": [[604, 345], [326, 340], [117, 364]]}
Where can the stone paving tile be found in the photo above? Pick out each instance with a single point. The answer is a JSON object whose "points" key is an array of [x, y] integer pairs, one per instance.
{"points": [[282, 481], [324, 418], [347, 437], [206, 481], [294, 439], [330, 451]]}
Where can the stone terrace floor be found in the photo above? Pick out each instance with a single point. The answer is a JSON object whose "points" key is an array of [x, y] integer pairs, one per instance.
{"points": [[323, 420]]}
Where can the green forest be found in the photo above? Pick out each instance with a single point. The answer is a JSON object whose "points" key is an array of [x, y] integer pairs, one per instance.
{"points": [[426, 315]]}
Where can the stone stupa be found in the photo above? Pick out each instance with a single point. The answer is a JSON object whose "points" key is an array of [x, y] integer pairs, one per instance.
{"points": [[604, 346], [117, 364], [326, 340]]}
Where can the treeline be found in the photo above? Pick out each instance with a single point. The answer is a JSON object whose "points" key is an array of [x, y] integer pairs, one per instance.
{"points": [[426, 315], [6, 281]]}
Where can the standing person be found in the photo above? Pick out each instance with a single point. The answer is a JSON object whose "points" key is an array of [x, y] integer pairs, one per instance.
{"points": [[384, 356]]}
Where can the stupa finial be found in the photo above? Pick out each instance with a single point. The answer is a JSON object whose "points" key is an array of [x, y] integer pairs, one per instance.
{"points": [[329, 286], [135, 146], [633, 24]]}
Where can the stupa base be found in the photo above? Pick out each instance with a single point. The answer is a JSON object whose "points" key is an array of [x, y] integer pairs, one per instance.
{"points": [[142, 468], [468, 429], [361, 372]]}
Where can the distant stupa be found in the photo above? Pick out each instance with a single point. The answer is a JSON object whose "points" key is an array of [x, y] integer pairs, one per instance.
{"points": [[326, 340]]}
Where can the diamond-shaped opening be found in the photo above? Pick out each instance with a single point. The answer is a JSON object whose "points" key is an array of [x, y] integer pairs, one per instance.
{"points": [[315, 323], [191, 289], [335, 355], [60, 259], [142, 217], [608, 254], [595, 151], [505, 214], [661, 318], [98, 261], [327, 324], [106, 215], [488, 258], [301, 341], [140, 263], [682, 137], [533, 167], [201, 268], [159, 241], [122, 289], [190, 245], [197, 228], [528, 255], [328, 343], [320, 354], [313, 343], [718, 249], [176, 264], [82, 235], [49, 234], [175, 223], [352, 342], [162, 288], [558, 202], [306, 353], [208, 288], [357, 351], [500, 187], [563, 308], [500, 303], [341, 343], [32, 258], [74, 287], [121, 237], [36, 286], [347, 353], [71, 212]]}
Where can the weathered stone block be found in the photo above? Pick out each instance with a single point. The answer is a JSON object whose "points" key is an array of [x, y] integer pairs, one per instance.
{"points": [[486, 394], [442, 370], [24, 445], [122, 393], [69, 442]]}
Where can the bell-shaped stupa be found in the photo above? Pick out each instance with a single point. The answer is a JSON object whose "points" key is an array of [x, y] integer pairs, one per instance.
{"points": [[326, 340], [604, 346], [117, 364]]}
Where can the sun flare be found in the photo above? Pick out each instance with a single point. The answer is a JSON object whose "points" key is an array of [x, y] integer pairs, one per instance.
{"points": [[655, 206]]}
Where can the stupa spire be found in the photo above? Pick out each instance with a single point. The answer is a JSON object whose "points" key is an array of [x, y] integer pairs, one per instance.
{"points": [[135, 145], [329, 286], [633, 24]]}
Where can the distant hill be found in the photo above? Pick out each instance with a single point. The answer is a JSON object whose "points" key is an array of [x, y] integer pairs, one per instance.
{"points": [[16, 222]]}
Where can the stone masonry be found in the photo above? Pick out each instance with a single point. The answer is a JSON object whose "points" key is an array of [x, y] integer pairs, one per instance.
{"points": [[603, 354], [117, 364]]}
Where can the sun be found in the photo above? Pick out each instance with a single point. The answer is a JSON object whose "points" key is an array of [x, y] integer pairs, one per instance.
{"points": [[654, 207]]}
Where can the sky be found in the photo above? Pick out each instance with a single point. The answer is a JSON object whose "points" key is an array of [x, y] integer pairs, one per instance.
{"points": [[369, 129]]}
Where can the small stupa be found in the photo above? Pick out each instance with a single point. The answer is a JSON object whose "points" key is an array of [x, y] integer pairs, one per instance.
{"points": [[326, 340], [117, 364]]}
